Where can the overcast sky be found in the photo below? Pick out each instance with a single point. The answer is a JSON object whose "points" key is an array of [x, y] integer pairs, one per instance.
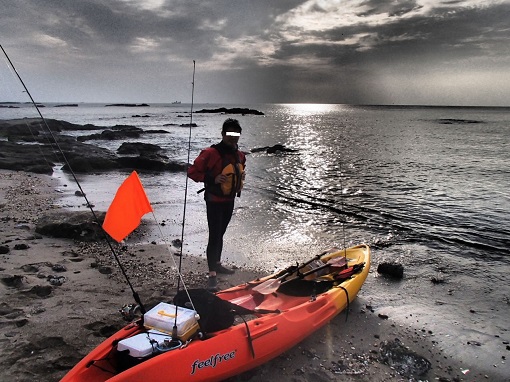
{"points": [[429, 52]]}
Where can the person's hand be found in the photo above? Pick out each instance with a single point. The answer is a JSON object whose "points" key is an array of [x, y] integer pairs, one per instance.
{"points": [[220, 179], [243, 176]]}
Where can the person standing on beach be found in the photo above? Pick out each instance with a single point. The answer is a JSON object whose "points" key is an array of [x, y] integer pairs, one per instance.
{"points": [[221, 168]]}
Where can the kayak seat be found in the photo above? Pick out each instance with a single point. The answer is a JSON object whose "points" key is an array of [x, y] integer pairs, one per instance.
{"points": [[301, 287], [280, 301], [215, 313]]}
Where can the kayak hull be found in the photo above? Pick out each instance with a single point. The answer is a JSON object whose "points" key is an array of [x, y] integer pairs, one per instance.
{"points": [[239, 348]]}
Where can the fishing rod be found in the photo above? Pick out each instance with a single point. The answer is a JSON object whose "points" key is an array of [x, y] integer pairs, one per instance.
{"points": [[174, 329], [342, 208], [89, 205]]}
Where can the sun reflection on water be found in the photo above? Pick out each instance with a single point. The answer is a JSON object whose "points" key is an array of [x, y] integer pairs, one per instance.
{"points": [[312, 108]]}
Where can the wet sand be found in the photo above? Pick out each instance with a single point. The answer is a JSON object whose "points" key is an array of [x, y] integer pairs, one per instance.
{"points": [[60, 298]]}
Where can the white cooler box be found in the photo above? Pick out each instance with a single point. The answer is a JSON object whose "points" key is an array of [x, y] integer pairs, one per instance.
{"points": [[162, 318]]}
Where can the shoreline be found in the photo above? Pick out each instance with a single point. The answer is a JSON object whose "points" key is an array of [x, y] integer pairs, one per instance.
{"points": [[46, 329]]}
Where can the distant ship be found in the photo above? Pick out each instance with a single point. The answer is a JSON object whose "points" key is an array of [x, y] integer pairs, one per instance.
{"points": [[176, 103]]}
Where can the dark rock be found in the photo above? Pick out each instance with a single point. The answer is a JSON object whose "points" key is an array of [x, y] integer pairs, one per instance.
{"points": [[142, 163], [34, 126], [56, 280], [4, 249], [82, 157], [78, 225], [403, 360], [188, 125], [12, 281], [21, 246], [21, 323], [173, 166], [148, 132], [30, 268], [9, 312], [40, 291], [151, 164], [20, 157], [90, 164], [138, 148], [128, 105], [58, 268], [235, 110], [392, 270], [116, 132], [105, 270], [454, 121], [278, 148]]}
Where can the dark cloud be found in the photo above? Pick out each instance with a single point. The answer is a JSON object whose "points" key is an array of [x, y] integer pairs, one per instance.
{"points": [[391, 8], [272, 51]]}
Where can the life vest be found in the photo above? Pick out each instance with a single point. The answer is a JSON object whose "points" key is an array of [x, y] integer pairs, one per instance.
{"points": [[235, 182], [230, 165]]}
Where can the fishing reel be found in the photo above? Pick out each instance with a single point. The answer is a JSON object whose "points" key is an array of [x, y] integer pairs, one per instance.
{"points": [[169, 344], [129, 312]]}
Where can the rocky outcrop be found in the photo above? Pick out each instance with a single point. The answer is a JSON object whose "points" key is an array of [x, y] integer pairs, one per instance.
{"points": [[114, 133], [139, 148], [235, 110], [147, 156], [119, 132], [391, 270], [278, 148], [128, 105], [41, 158], [31, 127], [151, 164], [42, 154], [71, 225]]}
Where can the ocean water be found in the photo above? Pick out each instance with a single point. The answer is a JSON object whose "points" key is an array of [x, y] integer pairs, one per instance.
{"points": [[389, 176], [428, 187]]}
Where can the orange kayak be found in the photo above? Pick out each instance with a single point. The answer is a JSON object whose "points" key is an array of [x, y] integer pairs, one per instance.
{"points": [[278, 311]]}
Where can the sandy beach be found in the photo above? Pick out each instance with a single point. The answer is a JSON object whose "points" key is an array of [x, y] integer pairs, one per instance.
{"points": [[60, 298]]}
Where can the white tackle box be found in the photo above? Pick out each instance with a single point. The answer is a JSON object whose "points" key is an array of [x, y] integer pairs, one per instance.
{"points": [[143, 344], [163, 317]]}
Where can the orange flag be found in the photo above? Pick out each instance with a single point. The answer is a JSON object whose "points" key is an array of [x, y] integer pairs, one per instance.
{"points": [[128, 206]]}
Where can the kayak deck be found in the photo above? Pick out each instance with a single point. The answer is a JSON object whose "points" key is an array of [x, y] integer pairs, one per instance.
{"points": [[277, 322]]}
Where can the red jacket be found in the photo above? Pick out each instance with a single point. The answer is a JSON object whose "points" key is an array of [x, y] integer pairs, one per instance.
{"points": [[209, 164]]}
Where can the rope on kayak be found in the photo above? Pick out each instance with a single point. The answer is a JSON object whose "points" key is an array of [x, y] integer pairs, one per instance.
{"points": [[250, 340], [348, 302]]}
